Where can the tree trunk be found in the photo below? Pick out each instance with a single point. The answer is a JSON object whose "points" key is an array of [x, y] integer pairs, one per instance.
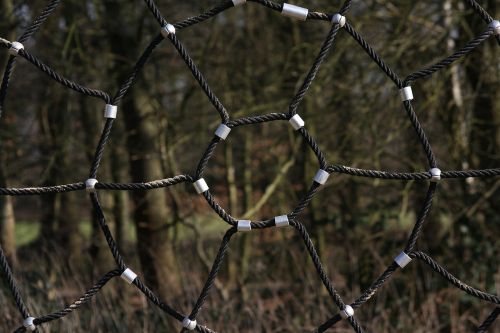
{"points": [[120, 198], [484, 133], [150, 211], [56, 123], [7, 229], [150, 207], [66, 206], [7, 218], [231, 179]]}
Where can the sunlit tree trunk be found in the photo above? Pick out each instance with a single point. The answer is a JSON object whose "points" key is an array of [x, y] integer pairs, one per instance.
{"points": [[150, 211], [7, 218]]}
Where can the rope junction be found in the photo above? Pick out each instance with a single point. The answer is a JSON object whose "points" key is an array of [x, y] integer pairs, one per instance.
{"points": [[168, 32]]}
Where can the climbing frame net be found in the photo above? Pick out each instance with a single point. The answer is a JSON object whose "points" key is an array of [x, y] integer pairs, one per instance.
{"points": [[338, 21]]}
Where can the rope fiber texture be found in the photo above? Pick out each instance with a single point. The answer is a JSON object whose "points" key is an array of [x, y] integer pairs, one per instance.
{"points": [[293, 216]]}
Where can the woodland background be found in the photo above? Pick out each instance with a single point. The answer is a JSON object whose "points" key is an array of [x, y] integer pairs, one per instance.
{"points": [[255, 60]]}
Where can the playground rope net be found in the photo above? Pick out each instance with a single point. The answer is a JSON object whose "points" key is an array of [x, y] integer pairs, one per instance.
{"points": [[338, 21]]}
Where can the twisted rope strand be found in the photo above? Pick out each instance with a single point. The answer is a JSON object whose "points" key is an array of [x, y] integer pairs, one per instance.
{"points": [[28, 33]]}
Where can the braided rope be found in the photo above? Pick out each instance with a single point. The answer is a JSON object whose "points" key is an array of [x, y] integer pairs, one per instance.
{"points": [[232, 123]]}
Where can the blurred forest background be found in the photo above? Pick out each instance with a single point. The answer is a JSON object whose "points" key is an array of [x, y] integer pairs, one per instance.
{"points": [[255, 60]]}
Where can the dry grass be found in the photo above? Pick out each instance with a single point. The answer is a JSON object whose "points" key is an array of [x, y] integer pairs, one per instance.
{"points": [[280, 291]]}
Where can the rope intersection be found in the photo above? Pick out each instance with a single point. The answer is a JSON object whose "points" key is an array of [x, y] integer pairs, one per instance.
{"points": [[168, 31]]}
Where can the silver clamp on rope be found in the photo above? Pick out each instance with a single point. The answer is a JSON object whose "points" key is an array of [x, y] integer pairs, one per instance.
{"points": [[90, 185], [167, 30], [201, 186], [244, 225], [297, 122], [29, 324], [436, 175], [110, 111], [281, 221], [297, 12], [495, 26], [128, 275], [402, 259], [321, 177], [339, 19], [15, 47], [406, 94], [189, 324], [222, 131], [347, 312], [239, 2]]}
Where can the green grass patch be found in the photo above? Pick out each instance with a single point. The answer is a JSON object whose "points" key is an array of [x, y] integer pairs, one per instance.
{"points": [[26, 232]]}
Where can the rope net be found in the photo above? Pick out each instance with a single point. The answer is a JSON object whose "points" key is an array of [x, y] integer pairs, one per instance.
{"points": [[168, 32]]}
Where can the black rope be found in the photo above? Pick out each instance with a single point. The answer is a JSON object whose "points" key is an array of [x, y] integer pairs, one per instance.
{"points": [[107, 232], [62, 80], [327, 45], [269, 4], [420, 133], [456, 282], [11, 282], [218, 209], [42, 190], [138, 66], [44, 15], [144, 186], [156, 12], [213, 273], [205, 16], [28, 33], [417, 229], [471, 46], [489, 321], [106, 132], [375, 57], [206, 157], [9, 68], [257, 119], [208, 153], [480, 10], [200, 78], [315, 148], [81, 301]]}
